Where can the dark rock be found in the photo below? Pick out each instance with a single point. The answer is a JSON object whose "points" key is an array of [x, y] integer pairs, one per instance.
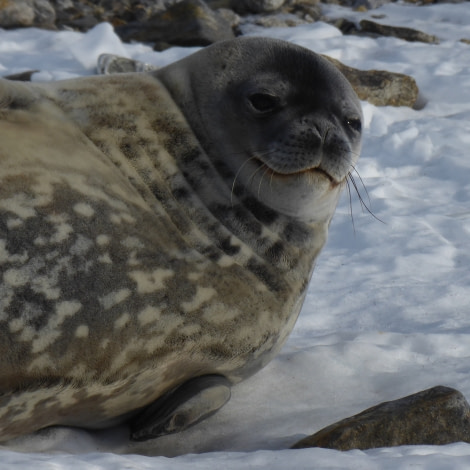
{"points": [[215, 4], [25, 13], [379, 87], [187, 23], [429, 2], [408, 34], [22, 76], [345, 26], [256, 6], [437, 416], [84, 14], [359, 5], [79, 16]]}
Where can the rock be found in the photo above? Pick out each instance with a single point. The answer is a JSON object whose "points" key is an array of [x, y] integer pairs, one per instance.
{"points": [[110, 63], [308, 10], [22, 76], [84, 14], [78, 16], [256, 6], [344, 25], [187, 23], [439, 415], [215, 4], [229, 16], [408, 34], [428, 2], [25, 13], [276, 21], [44, 14], [379, 87], [366, 5], [292, 13]]}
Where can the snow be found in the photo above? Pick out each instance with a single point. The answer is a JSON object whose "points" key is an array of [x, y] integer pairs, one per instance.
{"points": [[387, 313]]}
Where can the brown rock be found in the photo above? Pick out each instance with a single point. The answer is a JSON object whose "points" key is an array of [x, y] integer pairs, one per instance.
{"points": [[22, 13], [407, 34], [187, 23], [439, 415], [379, 87]]}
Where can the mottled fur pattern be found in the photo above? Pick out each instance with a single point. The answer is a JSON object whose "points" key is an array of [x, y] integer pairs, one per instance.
{"points": [[128, 265]]}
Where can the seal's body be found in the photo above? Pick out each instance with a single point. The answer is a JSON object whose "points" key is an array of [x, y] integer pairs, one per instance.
{"points": [[158, 231]]}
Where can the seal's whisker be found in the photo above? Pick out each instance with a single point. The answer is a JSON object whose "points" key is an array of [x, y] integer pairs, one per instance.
{"points": [[261, 179], [350, 203], [236, 176], [363, 204], [362, 182], [263, 166]]}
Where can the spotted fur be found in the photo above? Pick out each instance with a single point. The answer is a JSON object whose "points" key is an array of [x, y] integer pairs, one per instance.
{"points": [[127, 263]]}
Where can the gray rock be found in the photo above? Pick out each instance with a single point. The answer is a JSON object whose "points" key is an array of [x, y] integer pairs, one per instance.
{"points": [[44, 14], [275, 21], [439, 415], [379, 87], [368, 4], [24, 13], [229, 16], [408, 34], [109, 64], [308, 10], [187, 23]]}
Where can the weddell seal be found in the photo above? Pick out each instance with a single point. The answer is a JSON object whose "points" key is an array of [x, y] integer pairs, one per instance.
{"points": [[158, 231]]}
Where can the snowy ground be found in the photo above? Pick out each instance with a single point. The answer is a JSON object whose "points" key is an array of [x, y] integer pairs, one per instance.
{"points": [[388, 310]]}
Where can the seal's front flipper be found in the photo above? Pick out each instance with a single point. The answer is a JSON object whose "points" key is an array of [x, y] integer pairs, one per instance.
{"points": [[181, 407]]}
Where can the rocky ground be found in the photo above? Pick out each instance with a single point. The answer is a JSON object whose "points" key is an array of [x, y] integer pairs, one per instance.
{"points": [[164, 23], [187, 22]]}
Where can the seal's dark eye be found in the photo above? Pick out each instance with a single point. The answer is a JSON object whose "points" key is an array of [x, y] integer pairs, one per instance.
{"points": [[354, 123], [264, 102]]}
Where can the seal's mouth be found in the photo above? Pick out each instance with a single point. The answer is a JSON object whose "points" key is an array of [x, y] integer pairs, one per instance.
{"points": [[303, 172]]}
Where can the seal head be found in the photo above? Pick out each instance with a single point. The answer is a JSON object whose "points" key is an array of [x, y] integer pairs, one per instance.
{"points": [[289, 121]]}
